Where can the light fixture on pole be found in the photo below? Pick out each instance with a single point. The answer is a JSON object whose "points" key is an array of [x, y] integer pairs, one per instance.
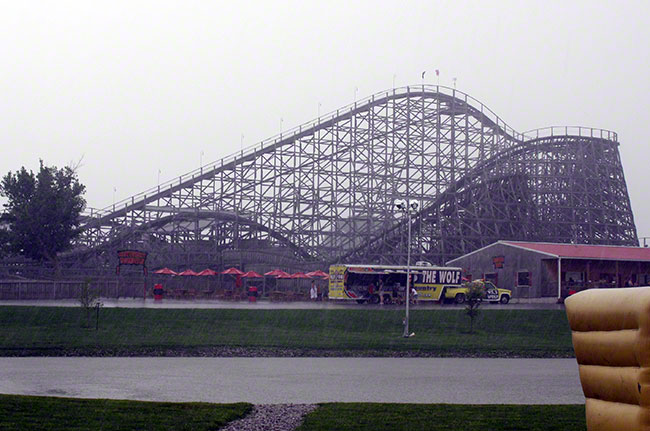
{"points": [[407, 209]]}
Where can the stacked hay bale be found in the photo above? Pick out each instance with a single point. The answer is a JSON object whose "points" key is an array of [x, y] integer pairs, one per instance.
{"points": [[611, 339]]}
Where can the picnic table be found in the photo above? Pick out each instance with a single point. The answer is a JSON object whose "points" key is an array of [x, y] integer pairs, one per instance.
{"points": [[278, 295], [181, 293]]}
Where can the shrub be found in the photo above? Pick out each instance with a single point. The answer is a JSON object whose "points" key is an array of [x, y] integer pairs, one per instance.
{"points": [[473, 298]]}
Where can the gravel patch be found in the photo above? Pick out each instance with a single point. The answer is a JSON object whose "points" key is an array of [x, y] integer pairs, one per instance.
{"points": [[272, 417]]}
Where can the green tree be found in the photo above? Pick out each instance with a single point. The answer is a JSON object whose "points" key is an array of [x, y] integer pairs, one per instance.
{"points": [[473, 299], [42, 211], [4, 240]]}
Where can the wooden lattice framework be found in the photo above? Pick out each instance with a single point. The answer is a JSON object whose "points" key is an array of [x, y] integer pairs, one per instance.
{"points": [[326, 191]]}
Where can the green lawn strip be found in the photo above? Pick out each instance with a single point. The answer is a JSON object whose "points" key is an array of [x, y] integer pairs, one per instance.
{"points": [[526, 333], [18, 412], [447, 417]]}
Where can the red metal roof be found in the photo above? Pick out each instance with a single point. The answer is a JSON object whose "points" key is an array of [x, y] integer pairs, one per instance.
{"points": [[584, 251]]}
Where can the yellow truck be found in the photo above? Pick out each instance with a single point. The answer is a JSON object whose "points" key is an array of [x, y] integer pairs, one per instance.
{"points": [[493, 293]]}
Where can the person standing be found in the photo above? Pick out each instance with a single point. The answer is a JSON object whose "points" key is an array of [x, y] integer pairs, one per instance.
{"points": [[313, 292]]}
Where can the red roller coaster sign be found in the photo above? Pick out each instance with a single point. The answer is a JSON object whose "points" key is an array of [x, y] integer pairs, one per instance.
{"points": [[132, 257]]}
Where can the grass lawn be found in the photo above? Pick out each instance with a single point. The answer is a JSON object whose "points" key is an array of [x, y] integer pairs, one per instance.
{"points": [[19, 412], [445, 417], [525, 333], [48, 413]]}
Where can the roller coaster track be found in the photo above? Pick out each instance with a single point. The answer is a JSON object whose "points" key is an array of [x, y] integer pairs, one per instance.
{"points": [[326, 190]]}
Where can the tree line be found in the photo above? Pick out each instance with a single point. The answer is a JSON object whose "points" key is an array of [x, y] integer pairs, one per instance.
{"points": [[41, 212]]}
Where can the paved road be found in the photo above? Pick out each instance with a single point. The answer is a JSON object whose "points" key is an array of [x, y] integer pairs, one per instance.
{"points": [[298, 380], [266, 305]]}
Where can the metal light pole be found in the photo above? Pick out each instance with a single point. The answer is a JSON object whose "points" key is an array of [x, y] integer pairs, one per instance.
{"points": [[408, 276], [407, 208]]}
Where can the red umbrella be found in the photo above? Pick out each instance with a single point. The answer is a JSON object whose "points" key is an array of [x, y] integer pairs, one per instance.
{"points": [[232, 271], [275, 272], [299, 275], [283, 274], [318, 273], [208, 271], [252, 274], [188, 272], [165, 271]]}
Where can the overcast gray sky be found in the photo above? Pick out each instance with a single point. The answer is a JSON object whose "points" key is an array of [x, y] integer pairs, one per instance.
{"points": [[138, 87]]}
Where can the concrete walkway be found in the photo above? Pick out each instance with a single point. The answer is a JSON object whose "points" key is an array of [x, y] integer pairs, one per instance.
{"points": [[298, 380]]}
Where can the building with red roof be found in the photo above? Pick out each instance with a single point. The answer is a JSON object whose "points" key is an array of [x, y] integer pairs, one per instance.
{"points": [[539, 269]]}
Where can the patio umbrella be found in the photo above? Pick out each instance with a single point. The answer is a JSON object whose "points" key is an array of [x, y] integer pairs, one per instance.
{"points": [[188, 272], [232, 271], [252, 274], [208, 271], [165, 271], [318, 273], [237, 273], [299, 275], [276, 273]]}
